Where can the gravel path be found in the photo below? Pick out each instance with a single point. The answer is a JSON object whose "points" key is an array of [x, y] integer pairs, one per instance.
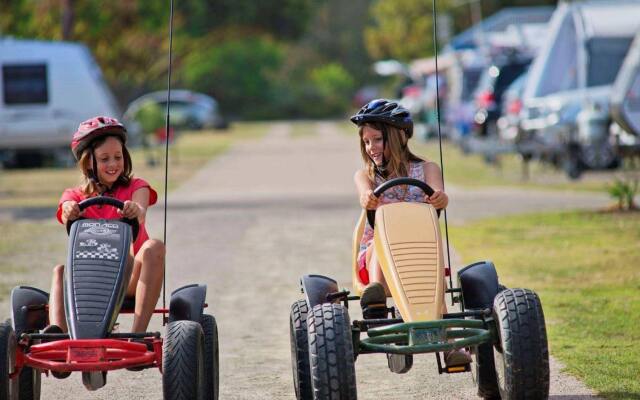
{"points": [[253, 221]]}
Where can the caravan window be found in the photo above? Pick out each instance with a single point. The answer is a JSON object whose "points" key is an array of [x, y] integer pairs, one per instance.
{"points": [[25, 84], [605, 59]]}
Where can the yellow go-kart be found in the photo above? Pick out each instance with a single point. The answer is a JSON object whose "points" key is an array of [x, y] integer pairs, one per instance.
{"points": [[503, 328]]}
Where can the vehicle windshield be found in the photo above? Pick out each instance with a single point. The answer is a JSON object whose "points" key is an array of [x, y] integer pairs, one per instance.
{"points": [[605, 59]]}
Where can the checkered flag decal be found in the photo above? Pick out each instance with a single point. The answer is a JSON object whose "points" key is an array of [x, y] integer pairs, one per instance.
{"points": [[96, 255]]}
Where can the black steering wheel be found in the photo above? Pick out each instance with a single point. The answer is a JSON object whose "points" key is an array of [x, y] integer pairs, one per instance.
{"points": [[110, 201], [428, 190]]}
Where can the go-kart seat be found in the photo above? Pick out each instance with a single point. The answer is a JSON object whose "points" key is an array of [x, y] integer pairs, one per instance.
{"points": [[407, 242]]}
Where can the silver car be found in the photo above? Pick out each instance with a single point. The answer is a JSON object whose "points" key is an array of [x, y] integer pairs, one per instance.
{"points": [[189, 110]]}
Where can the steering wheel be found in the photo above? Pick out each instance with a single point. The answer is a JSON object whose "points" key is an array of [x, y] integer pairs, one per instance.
{"points": [[428, 190], [110, 201]]}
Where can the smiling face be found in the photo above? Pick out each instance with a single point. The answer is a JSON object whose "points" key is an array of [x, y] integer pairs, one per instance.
{"points": [[374, 145], [109, 160]]}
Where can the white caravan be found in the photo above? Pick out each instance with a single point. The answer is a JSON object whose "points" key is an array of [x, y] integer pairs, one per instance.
{"points": [[46, 89]]}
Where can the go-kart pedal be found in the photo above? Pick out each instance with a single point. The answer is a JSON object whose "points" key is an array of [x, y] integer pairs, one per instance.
{"points": [[55, 329], [149, 348], [457, 360], [374, 301]]}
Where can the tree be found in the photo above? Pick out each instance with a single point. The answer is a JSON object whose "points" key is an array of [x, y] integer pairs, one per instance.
{"points": [[400, 29]]}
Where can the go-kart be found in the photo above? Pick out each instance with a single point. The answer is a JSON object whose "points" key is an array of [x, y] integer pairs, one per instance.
{"points": [[503, 328], [95, 280]]}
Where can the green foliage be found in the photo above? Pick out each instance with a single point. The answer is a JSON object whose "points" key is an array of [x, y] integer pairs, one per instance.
{"points": [[284, 19], [237, 70], [258, 58], [334, 86], [150, 117], [624, 190], [401, 29]]}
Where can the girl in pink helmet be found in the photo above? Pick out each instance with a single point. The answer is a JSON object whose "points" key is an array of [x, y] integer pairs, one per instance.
{"points": [[99, 149]]}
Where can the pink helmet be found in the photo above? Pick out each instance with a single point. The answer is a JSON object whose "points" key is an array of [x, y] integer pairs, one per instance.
{"points": [[94, 128]]}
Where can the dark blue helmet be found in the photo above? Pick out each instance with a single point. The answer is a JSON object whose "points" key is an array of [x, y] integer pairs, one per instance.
{"points": [[388, 112]]}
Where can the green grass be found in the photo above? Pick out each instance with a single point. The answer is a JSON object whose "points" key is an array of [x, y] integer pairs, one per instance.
{"points": [[586, 269], [28, 252], [42, 187]]}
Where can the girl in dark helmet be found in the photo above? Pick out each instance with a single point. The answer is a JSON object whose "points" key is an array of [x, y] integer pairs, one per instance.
{"points": [[385, 129], [99, 148]]}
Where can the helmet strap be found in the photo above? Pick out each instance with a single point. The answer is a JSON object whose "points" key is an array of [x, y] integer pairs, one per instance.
{"points": [[382, 169]]}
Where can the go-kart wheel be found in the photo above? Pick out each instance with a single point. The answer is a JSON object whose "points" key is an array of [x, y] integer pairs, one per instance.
{"points": [[8, 343], [300, 350], [484, 372], [29, 384], [521, 354], [211, 370], [333, 373], [183, 362]]}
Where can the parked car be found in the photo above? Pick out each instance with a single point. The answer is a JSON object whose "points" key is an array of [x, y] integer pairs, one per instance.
{"points": [[625, 99], [189, 110], [47, 88], [566, 115], [462, 80], [488, 95], [509, 121]]}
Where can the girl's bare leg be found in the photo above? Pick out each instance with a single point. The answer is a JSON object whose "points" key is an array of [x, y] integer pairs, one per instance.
{"points": [[56, 299], [146, 282], [375, 272]]}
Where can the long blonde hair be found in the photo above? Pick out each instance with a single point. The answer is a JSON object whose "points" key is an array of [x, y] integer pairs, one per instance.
{"points": [[90, 184], [399, 154]]}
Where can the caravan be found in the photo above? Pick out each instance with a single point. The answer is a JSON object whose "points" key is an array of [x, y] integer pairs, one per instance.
{"points": [[46, 89], [566, 115]]}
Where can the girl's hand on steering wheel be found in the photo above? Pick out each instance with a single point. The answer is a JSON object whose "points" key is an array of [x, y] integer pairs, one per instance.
{"points": [[438, 200], [131, 210], [71, 210], [368, 201]]}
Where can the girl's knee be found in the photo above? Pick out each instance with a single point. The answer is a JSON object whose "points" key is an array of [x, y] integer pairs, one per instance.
{"points": [[154, 248]]}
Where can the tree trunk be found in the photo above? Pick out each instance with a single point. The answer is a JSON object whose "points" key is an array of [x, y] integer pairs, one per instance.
{"points": [[68, 17]]}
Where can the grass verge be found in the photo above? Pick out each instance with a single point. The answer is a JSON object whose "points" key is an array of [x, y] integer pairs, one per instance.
{"points": [[585, 267]]}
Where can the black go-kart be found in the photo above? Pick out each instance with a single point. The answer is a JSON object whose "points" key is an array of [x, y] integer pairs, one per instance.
{"points": [[96, 276]]}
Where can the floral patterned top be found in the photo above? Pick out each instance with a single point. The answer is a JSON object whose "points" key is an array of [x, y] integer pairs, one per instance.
{"points": [[394, 195]]}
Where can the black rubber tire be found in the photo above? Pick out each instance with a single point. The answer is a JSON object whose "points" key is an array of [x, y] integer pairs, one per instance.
{"points": [[521, 354], [333, 373], [571, 164], [484, 372], [211, 357], [8, 343], [183, 362], [30, 384], [300, 350]]}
